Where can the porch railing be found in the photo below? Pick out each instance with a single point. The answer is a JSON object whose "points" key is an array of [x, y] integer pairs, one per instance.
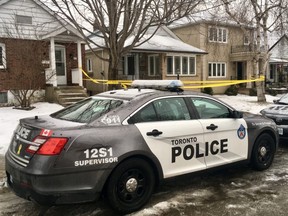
{"points": [[245, 48]]}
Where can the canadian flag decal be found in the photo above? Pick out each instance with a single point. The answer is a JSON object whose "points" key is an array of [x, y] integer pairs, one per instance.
{"points": [[46, 132]]}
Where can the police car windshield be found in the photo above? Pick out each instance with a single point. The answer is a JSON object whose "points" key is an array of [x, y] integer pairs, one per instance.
{"points": [[87, 110], [283, 99]]}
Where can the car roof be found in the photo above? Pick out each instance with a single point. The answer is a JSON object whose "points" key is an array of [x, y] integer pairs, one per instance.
{"points": [[132, 93]]}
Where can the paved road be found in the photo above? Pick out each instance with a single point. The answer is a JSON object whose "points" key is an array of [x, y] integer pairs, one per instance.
{"points": [[232, 192]]}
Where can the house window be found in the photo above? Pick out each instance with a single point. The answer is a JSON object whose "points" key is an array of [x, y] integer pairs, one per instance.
{"points": [[219, 35], [217, 69], [89, 65], [130, 64], [153, 65], [23, 19], [246, 40], [3, 97], [2, 56], [183, 65]]}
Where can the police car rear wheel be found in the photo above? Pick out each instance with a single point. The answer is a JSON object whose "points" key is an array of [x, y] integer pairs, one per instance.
{"points": [[263, 152], [130, 185]]}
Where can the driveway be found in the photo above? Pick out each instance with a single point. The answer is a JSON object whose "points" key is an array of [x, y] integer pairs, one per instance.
{"points": [[234, 191]]}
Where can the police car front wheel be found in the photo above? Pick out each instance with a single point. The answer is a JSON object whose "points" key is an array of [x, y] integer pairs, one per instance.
{"points": [[131, 185], [263, 152]]}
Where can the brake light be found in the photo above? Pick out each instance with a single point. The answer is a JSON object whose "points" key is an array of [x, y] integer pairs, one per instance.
{"points": [[53, 146], [47, 145]]}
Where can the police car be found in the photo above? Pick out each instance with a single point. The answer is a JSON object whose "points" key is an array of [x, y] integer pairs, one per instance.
{"points": [[279, 114], [121, 143]]}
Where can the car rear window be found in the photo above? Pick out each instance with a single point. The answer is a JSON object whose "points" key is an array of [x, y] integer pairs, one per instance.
{"points": [[87, 110]]}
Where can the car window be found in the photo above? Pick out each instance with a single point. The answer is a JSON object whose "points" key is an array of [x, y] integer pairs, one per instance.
{"points": [[208, 108], [167, 109], [284, 99], [87, 110]]}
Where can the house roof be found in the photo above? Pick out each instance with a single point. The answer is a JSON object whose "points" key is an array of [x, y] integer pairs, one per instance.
{"points": [[164, 40], [158, 43], [281, 38], [63, 27], [206, 17], [278, 60]]}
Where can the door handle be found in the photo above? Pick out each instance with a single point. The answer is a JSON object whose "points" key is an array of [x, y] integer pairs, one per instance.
{"points": [[212, 127], [154, 133]]}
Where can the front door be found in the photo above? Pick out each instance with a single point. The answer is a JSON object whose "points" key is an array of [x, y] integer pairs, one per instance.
{"points": [[172, 135], [226, 138], [60, 65]]}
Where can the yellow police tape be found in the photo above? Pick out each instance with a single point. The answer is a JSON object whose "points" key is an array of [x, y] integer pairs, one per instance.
{"points": [[187, 84]]}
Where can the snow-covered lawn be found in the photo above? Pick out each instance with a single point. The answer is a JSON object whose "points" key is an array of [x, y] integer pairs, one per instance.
{"points": [[9, 117]]}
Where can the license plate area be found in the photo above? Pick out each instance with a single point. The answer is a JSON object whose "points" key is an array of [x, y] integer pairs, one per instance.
{"points": [[280, 131]]}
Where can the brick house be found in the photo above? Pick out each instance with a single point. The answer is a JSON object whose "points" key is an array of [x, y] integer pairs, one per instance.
{"points": [[37, 49], [164, 56]]}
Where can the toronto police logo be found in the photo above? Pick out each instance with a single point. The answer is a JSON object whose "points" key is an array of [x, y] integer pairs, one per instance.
{"points": [[241, 132]]}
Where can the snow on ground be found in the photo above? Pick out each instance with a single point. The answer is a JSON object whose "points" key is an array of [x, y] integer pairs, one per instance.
{"points": [[9, 117]]}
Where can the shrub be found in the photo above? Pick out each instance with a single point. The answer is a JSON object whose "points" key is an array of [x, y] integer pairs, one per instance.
{"points": [[252, 92], [208, 90], [232, 90]]}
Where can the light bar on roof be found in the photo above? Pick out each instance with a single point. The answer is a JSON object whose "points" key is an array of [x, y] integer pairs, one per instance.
{"points": [[157, 84]]}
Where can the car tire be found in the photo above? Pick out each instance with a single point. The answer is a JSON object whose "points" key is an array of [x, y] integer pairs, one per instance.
{"points": [[130, 185], [263, 152]]}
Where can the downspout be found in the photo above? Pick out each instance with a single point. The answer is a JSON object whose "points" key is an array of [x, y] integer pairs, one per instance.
{"points": [[53, 62], [79, 57]]}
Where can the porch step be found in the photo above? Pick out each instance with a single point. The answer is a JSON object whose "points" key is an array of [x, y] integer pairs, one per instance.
{"points": [[68, 95]]}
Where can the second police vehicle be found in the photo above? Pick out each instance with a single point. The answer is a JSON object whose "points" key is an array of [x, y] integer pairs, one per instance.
{"points": [[121, 143]]}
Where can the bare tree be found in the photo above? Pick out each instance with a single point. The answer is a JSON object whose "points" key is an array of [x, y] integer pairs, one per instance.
{"points": [[117, 20], [263, 17], [28, 74], [26, 66]]}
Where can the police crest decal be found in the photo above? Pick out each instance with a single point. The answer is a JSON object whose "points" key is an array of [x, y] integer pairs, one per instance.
{"points": [[241, 132]]}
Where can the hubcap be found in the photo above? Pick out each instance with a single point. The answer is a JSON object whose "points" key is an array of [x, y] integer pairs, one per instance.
{"points": [[131, 185], [263, 151]]}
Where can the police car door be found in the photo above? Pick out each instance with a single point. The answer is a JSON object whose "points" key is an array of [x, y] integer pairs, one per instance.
{"points": [[172, 135], [226, 138]]}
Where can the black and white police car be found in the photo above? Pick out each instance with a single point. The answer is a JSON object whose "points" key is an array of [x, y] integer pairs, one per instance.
{"points": [[279, 114], [121, 143]]}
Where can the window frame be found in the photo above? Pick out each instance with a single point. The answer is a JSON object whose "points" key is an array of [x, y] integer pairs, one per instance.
{"points": [[125, 64], [216, 66], [200, 109], [246, 40], [4, 96], [89, 65], [156, 65], [217, 34], [23, 19], [152, 104], [174, 57], [3, 56]]}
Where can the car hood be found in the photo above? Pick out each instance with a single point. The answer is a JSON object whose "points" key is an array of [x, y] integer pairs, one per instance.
{"points": [[276, 110]]}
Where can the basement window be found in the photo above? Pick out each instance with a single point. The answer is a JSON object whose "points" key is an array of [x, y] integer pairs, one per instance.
{"points": [[3, 97]]}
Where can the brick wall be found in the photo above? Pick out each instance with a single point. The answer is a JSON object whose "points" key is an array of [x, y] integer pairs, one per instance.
{"points": [[24, 68]]}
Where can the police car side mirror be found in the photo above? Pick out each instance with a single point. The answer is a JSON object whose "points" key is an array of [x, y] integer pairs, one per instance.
{"points": [[237, 114]]}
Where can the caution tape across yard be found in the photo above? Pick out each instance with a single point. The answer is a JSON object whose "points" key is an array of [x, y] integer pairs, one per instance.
{"points": [[187, 84]]}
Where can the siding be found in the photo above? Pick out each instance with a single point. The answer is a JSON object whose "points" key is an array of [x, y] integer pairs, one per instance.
{"points": [[42, 21]]}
